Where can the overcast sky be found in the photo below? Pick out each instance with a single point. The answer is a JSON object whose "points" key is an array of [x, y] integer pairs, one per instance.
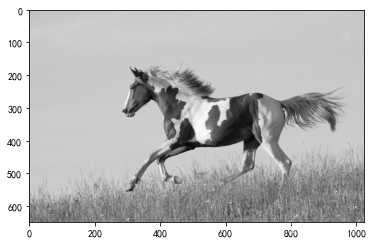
{"points": [[80, 78]]}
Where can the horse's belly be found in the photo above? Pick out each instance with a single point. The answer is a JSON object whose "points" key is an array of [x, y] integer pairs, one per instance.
{"points": [[228, 136]]}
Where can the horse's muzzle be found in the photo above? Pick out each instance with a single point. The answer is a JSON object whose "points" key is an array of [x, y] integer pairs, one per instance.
{"points": [[128, 114]]}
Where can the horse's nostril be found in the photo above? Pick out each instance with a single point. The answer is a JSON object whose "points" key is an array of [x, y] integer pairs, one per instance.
{"points": [[124, 110]]}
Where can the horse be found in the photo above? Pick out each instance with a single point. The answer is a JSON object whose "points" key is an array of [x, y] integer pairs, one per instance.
{"points": [[193, 119]]}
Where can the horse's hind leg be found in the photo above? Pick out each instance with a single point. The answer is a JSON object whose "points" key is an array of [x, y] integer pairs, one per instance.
{"points": [[164, 174], [270, 124], [248, 158], [270, 144], [283, 161]]}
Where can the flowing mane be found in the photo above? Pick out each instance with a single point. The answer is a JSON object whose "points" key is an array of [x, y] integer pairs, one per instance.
{"points": [[185, 80]]}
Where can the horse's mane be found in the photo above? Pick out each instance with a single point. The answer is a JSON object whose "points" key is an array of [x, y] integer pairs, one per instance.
{"points": [[185, 80]]}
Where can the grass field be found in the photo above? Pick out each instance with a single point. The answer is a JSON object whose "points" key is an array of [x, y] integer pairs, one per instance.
{"points": [[322, 188]]}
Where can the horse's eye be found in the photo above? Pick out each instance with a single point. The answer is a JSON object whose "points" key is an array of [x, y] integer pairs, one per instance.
{"points": [[133, 86]]}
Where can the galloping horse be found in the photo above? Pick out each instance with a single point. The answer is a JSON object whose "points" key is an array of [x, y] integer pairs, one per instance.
{"points": [[193, 119]]}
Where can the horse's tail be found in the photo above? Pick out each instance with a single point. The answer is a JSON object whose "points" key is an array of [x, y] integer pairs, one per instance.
{"points": [[308, 109]]}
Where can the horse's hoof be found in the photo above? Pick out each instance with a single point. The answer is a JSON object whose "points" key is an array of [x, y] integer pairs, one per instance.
{"points": [[131, 185], [130, 189]]}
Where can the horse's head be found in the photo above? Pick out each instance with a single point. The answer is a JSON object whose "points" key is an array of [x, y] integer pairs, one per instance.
{"points": [[138, 95]]}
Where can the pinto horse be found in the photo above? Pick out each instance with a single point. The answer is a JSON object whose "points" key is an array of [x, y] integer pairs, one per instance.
{"points": [[193, 119]]}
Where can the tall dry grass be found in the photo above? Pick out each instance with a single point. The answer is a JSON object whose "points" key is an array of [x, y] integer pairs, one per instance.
{"points": [[323, 187]]}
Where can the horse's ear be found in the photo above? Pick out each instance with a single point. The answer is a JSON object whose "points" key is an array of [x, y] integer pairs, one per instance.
{"points": [[140, 74], [135, 72]]}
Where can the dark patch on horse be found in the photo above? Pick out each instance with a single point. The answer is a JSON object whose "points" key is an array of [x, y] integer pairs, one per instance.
{"points": [[214, 115], [169, 105], [212, 124], [252, 103], [145, 77], [186, 133], [192, 134]]}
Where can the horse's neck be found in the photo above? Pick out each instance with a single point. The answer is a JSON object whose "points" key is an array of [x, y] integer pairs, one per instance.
{"points": [[170, 99], [172, 103]]}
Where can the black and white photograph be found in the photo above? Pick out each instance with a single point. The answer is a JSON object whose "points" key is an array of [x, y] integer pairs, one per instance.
{"points": [[250, 117]]}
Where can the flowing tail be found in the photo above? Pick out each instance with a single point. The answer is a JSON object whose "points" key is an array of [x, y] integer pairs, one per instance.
{"points": [[309, 109]]}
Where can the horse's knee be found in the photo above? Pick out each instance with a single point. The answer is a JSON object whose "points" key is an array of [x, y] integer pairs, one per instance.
{"points": [[287, 166]]}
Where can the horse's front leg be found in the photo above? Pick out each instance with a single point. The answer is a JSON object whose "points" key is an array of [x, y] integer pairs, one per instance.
{"points": [[165, 176], [162, 150]]}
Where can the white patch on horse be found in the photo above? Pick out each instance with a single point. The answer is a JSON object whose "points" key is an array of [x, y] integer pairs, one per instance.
{"points": [[200, 112], [177, 124], [128, 97], [181, 96], [223, 107], [158, 84]]}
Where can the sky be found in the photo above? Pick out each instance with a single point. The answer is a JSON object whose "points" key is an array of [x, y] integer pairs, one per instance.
{"points": [[80, 79]]}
